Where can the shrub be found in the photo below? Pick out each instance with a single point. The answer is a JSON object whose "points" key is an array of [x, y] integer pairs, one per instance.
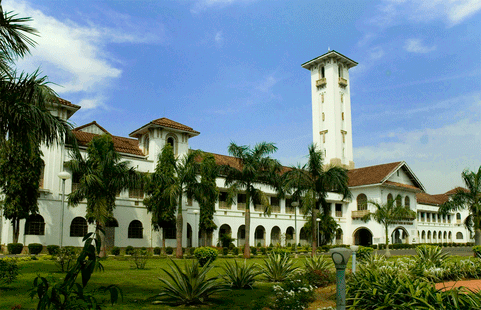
{"points": [[363, 252], [225, 251], [264, 251], [191, 251], [66, 257], [52, 249], [317, 263], [477, 250], [293, 294], [259, 244], [15, 248], [140, 258], [157, 250], [281, 251], [169, 250], [253, 250], [231, 246], [226, 240], [240, 276], [278, 268], [191, 286], [8, 271], [115, 250], [205, 255], [235, 251], [35, 248], [129, 250]]}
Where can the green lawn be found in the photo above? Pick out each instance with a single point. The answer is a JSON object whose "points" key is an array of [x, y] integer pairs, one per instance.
{"points": [[139, 287]]}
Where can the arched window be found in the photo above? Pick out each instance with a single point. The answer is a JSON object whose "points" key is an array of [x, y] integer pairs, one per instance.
{"points": [[78, 227], [389, 198], [361, 202], [172, 140], [459, 235], [399, 201], [407, 202], [135, 230], [146, 144], [458, 216], [35, 225]]}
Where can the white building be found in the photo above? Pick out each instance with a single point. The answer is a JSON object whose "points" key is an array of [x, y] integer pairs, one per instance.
{"points": [[332, 132]]}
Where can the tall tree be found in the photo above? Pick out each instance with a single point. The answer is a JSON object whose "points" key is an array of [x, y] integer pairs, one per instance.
{"points": [[20, 172], [316, 180], [467, 198], [157, 202], [207, 195], [388, 214], [102, 175], [256, 167]]}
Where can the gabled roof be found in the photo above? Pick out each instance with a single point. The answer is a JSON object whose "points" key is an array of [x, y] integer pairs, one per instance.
{"points": [[330, 54], [71, 108], [380, 174], [94, 123], [68, 103], [165, 123], [121, 144], [438, 199]]}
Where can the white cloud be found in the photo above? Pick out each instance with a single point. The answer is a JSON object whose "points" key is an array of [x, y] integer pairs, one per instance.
{"points": [[417, 46], [202, 5], [267, 83], [219, 39], [437, 155], [75, 56]]}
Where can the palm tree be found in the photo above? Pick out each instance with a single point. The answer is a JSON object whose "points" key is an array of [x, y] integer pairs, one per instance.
{"points": [[315, 181], [468, 198], [388, 214], [157, 202], [102, 175], [183, 182], [24, 116], [207, 195], [256, 167]]}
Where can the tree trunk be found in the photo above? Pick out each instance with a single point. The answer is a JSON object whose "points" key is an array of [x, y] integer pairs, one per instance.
{"points": [[179, 224], [99, 232], [247, 248], [163, 241], [388, 253], [314, 231], [477, 236], [16, 229]]}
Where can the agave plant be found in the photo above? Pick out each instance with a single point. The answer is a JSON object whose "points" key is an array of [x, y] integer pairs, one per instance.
{"points": [[190, 286], [277, 268], [317, 263], [240, 276], [430, 256]]}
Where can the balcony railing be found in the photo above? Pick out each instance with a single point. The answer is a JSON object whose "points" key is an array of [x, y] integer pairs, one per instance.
{"points": [[224, 205], [338, 213], [321, 82], [290, 210], [458, 221], [342, 82], [276, 209], [241, 206], [359, 214], [258, 208]]}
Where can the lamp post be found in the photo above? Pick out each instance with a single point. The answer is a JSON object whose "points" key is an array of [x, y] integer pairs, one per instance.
{"points": [[354, 249], [196, 226], [340, 257], [295, 204], [64, 175], [318, 220]]}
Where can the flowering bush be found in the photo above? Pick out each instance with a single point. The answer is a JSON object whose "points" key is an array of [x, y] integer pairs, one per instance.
{"points": [[293, 294]]}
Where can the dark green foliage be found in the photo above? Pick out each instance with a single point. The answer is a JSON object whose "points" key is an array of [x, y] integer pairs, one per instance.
{"points": [[169, 250], [264, 250], [226, 240], [240, 276], [205, 255], [20, 170], [52, 249], [225, 251], [235, 251], [254, 250], [281, 251], [191, 286], [191, 250], [115, 250], [318, 271], [140, 258], [35, 248], [258, 244], [15, 248], [8, 271], [363, 252], [207, 194], [129, 250], [66, 257], [278, 268], [293, 294], [157, 250], [70, 293]]}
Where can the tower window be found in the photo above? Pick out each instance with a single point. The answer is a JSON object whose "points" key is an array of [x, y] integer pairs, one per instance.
{"points": [[172, 140], [342, 97], [322, 72], [342, 115], [322, 97], [323, 116], [340, 71], [146, 144]]}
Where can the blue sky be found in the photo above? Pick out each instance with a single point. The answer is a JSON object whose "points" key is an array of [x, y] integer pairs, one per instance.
{"points": [[231, 70]]}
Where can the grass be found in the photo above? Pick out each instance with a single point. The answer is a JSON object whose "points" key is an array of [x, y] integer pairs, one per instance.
{"points": [[139, 287]]}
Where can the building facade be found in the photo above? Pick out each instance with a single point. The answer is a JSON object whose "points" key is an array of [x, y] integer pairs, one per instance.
{"points": [[57, 223]]}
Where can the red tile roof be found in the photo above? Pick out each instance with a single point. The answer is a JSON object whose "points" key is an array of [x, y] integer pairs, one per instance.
{"points": [[371, 174], [121, 144], [165, 122], [438, 199], [89, 124], [68, 103]]}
